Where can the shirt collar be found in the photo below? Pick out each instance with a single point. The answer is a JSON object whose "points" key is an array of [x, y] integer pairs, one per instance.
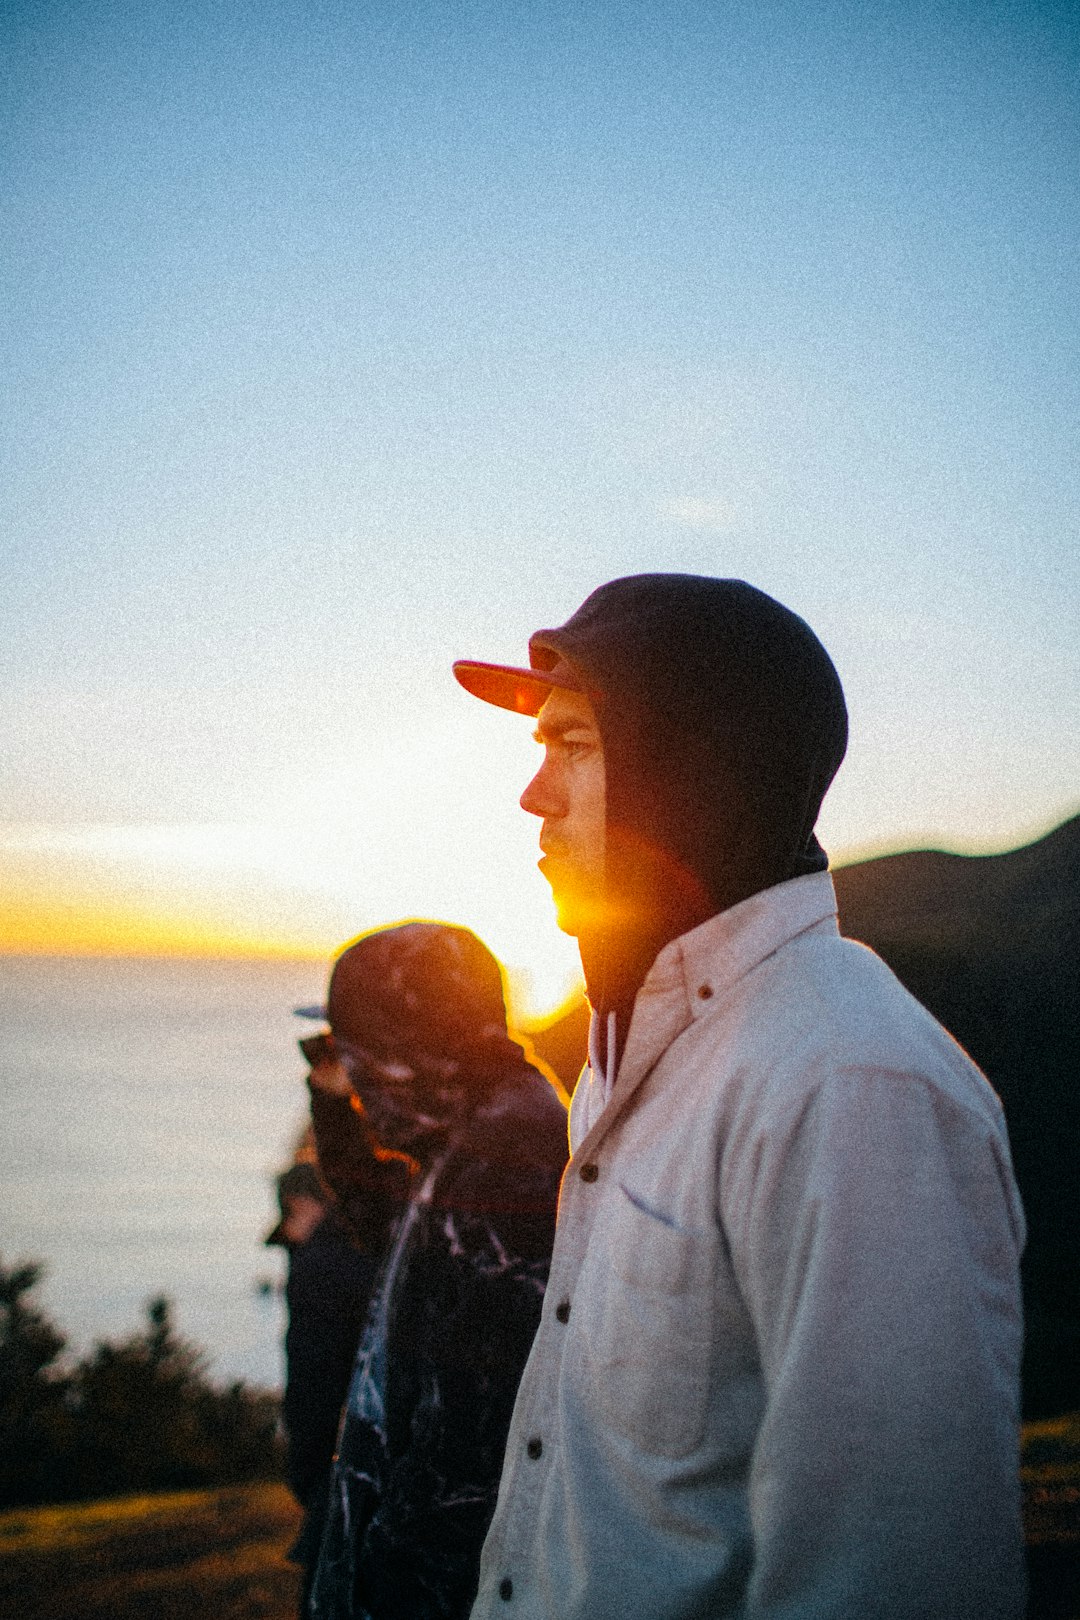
{"points": [[687, 977], [719, 952]]}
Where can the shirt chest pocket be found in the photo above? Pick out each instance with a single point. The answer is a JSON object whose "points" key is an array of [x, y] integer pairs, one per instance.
{"points": [[646, 1351]]}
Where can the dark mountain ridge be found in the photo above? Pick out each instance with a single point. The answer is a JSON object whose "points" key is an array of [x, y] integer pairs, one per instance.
{"points": [[1039, 879], [991, 945]]}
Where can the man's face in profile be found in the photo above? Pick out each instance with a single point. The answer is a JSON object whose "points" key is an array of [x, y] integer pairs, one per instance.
{"points": [[568, 792]]}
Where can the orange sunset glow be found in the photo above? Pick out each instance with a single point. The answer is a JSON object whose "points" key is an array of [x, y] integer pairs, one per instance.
{"points": [[273, 892]]}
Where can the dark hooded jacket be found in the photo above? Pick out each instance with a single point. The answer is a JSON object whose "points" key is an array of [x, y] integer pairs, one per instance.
{"points": [[420, 1021], [723, 723]]}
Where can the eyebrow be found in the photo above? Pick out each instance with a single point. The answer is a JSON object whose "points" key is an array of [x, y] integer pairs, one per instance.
{"points": [[555, 730]]}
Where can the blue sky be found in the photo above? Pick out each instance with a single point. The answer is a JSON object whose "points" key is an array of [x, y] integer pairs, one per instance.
{"points": [[340, 340]]}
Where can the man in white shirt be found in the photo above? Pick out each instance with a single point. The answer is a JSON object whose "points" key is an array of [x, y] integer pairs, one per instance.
{"points": [[777, 1370]]}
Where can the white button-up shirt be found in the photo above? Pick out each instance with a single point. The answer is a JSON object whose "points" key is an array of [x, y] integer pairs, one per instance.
{"points": [[777, 1372]]}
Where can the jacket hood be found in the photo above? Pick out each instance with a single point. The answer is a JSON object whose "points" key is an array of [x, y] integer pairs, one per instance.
{"points": [[418, 989], [723, 722], [420, 1019]]}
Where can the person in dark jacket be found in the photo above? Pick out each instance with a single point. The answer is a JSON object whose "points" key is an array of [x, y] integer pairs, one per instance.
{"points": [[327, 1291], [422, 1063]]}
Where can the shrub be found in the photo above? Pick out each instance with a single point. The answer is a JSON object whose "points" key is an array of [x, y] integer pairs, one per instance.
{"points": [[36, 1423], [137, 1415]]}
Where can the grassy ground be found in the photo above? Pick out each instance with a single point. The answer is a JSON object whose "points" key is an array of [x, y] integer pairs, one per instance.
{"points": [[196, 1555], [220, 1555], [1051, 1479]]}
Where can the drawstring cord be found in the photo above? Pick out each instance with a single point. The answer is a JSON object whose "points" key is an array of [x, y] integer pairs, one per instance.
{"points": [[590, 1100], [594, 1046], [604, 1071]]}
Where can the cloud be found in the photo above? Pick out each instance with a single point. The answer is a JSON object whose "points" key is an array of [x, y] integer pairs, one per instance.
{"points": [[701, 512]]}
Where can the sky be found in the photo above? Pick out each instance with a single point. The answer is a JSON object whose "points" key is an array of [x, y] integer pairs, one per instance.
{"points": [[339, 340]]}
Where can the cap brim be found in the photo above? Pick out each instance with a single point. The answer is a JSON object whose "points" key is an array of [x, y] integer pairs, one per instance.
{"points": [[524, 691]]}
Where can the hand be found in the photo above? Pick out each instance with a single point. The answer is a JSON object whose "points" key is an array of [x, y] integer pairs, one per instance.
{"points": [[331, 1077]]}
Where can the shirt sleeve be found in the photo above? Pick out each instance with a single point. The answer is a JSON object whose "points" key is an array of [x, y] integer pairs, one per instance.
{"points": [[877, 1238]]}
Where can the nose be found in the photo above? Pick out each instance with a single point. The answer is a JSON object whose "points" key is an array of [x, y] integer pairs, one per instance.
{"points": [[540, 797]]}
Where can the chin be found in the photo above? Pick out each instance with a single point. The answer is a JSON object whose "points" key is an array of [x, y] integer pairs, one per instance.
{"points": [[577, 910], [570, 915]]}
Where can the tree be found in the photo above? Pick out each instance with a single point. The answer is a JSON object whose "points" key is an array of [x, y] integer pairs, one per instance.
{"points": [[136, 1415], [36, 1424]]}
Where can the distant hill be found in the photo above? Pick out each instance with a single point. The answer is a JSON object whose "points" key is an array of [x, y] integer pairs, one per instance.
{"points": [[991, 944]]}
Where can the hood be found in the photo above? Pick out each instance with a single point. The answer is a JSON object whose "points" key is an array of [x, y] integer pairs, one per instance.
{"points": [[723, 723], [419, 1017]]}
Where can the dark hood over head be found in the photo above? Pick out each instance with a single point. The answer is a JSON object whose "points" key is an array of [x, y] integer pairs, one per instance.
{"points": [[723, 723], [420, 1020], [423, 991]]}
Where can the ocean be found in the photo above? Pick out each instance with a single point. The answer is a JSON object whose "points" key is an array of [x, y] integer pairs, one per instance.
{"points": [[147, 1106]]}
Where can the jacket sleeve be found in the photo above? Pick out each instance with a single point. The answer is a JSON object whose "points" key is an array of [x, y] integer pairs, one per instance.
{"points": [[329, 1286], [877, 1240]]}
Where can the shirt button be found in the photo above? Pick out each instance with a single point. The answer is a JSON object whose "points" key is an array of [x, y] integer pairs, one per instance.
{"points": [[506, 1588], [535, 1447], [705, 992], [589, 1172], [562, 1311]]}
